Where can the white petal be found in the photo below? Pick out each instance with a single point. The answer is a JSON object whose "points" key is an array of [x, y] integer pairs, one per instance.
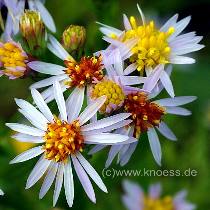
{"points": [[27, 155], [58, 94], [25, 129], [166, 81], [117, 61], [181, 60], [169, 23], [58, 183], [49, 179], [1, 192], [32, 112], [141, 14], [178, 111], [37, 172], [108, 121], [111, 29], [96, 149], [38, 99], [105, 138], [84, 179], [91, 172], [112, 154], [176, 101], [153, 78], [132, 80], [56, 48], [166, 131], [47, 68], [74, 103], [126, 22], [131, 68], [91, 110], [155, 145], [69, 183], [27, 138], [48, 81], [187, 49], [46, 17]]}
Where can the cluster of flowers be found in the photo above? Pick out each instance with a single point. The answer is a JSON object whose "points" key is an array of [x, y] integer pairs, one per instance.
{"points": [[113, 94]]}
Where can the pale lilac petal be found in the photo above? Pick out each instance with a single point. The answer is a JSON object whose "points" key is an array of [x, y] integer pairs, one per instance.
{"points": [[141, 14], [155, 145], [153, 78], [131, 68], [132, 80], [124, 160], [58, 183], [106, 139], [84, 179], [176, 101], [117, 61], [74, 103], [91, 172], [155, 191], [39, 101], [108, 121], [91, 110], [126, 22], [187, 49], [96, 149], [166, 81], [37, 172], [27, 138], [111, 29], [169, 23], [49, 179], [112, 154], [46, 16], [1, 193], [178, 111], [131, 204], [166, 131], [133, 190], [25, 129], [69, 183], [46, 68], [27, 155], [181, 60], [58, 94]]}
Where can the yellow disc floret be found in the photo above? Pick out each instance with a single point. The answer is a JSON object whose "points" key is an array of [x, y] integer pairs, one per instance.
{"points": [[13, 59], [165, 203], [113, 92], [152, 47], [62, 139]]}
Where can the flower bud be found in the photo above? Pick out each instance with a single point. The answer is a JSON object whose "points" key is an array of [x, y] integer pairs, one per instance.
{"points": [[74, 38], [33, 31]]}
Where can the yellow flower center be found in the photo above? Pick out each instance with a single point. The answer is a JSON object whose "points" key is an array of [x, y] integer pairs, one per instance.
{"points": [[113, 92], [12, 57], [152, 47], [165, 203], [62, 139]]}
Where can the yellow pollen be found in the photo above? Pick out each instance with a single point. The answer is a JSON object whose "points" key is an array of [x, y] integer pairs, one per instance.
{"points": [[113, 92], [62, 139], [165, 203], [11, 55], [152, 47]]}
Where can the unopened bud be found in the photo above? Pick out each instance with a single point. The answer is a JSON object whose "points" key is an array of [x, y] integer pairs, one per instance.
{"points": [[33, 31], [74, 38]]}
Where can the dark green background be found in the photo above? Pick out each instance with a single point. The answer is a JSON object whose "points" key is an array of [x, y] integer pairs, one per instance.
{"points": [[190, 151]]}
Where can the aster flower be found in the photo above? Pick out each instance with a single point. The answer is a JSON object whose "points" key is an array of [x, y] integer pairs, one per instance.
{"points": [[154, 46], [148, 116], [63, 140], [13, 60], [1, 192], [15, 10], [135, 198]]}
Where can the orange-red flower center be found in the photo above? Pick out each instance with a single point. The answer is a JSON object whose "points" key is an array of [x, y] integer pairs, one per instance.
{"points": [[145, 114], [87, 71]]}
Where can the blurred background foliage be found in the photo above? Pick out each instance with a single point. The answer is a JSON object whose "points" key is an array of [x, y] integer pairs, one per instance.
{"points": [[192, 150]]}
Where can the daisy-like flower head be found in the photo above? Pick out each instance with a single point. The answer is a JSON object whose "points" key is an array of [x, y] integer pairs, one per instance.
{"points": [[135, 198], [148, 116], [74, 74], [154, 46], [15, 10], [63, 139], [13, 60]]}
